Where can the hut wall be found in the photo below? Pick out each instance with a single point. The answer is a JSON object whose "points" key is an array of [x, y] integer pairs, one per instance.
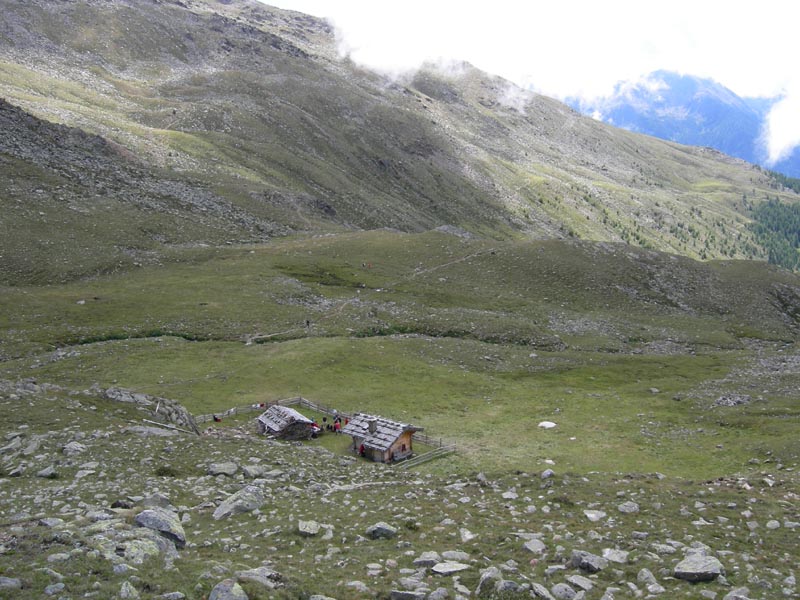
{"points": [[400, 449]]}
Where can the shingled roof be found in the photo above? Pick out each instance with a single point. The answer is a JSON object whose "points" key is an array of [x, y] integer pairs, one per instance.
{"points": [[276, 418], [385, 432]]}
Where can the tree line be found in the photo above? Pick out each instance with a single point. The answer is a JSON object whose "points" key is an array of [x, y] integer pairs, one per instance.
{"points": [[777, 228]]}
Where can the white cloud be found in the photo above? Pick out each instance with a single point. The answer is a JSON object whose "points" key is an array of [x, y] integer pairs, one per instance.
{"points": [[782, 127], [582, 48]]}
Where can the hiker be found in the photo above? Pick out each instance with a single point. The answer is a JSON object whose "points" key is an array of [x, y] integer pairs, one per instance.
{"points": [[337, 426], [362, 451], [217, 419]]}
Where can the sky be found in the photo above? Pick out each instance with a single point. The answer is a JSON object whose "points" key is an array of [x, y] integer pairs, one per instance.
{"points": [[582, 48]]}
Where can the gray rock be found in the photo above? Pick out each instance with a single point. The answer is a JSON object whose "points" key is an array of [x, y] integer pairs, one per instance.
{"points": [[439, 594], [614, 555], [263, 576], [588, 561], [55, 588], [548, 473], [646, 577], [486, 584], [139, 550], [253, 471], [73, 449], [696, 567], [164, 522], [172, 596], [358, 586], [247, 499], [308, 528], [741, 593], [10, 583], [594, 515], [628, 507], [407, 595], [227, 590], [223, 468], [51, 522], [449, 568], [505, 587], [456, 555], [381, 530], [536, 546], [15, 445], [579, 581], [47, 473], [128, 592], [158, 501], [539, 591], [427, 559], [561, 591]]}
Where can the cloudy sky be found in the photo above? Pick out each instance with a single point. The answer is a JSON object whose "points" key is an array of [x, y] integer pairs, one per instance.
{"points": [[583, 48]]}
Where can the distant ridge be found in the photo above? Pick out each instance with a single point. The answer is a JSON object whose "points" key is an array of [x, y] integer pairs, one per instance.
{"points": [[690, 110]]}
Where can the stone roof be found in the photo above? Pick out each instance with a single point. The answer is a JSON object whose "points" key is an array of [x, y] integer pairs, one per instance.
{"points": [[385, 431], [277, 418]]}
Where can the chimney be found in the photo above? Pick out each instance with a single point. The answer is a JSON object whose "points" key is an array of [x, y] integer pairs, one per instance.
{"points": [[372, 425]]}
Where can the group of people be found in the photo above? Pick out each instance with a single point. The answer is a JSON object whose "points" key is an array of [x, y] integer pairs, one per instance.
{"points": [[336, 425]]}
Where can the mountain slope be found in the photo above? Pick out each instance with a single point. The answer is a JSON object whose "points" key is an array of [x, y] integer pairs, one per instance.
{"points": [[690, 110], [252, 105]]}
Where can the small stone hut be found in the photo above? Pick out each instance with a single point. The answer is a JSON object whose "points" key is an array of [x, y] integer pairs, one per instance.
{"points": [[285, 423], [379, 439]]}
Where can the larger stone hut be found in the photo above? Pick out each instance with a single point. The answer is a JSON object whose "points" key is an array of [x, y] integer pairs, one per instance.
{"points": [[379, 439]]}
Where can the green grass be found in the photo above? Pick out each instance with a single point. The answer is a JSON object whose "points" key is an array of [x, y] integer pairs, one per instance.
{"points": [[475, 341]]}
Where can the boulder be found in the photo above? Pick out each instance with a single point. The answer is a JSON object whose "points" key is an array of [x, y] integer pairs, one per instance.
{"points": [[128, 592], [594, 515], [536, 546], [48, 473], [164, 522], [407, 595], [614, 555], [628, 507], [253, 471], [697, 567], [427, 559], [247, 499], [741, 593], [308, 528], [561, 591], [10, 583], [228, 468], [73, 449], [587, 561], [227, 590], [381, 530], [449, 568], [489, 577], [263, 576], [539, 591], [579, 581]]}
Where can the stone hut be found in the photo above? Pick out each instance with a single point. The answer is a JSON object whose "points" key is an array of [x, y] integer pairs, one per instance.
{"points": [[285, 423], [379, 439]]}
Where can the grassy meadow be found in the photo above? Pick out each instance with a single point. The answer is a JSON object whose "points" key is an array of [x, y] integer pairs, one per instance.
{"points": [[477, 342]]}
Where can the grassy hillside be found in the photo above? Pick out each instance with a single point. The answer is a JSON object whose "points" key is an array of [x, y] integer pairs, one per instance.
{"points": [[249, 108]]}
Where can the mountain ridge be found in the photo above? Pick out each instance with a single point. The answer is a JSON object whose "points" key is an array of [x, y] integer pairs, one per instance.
{"points": [[255, 104], [690, 110]]}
